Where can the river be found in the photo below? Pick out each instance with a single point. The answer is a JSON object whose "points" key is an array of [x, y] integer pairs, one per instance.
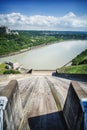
{"points": [[49, 57]]}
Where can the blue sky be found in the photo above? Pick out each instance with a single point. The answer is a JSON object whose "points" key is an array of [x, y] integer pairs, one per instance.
{"points": [[29, 10], [44, 7]]}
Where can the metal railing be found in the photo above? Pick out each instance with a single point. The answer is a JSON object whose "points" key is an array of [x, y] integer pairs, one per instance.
{"points": [[3, 102], [84, 108]]}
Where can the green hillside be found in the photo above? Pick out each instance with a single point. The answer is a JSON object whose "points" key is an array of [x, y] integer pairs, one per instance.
{"points": [[79, 65], [14, 42], [10, 43], [80, 59]]}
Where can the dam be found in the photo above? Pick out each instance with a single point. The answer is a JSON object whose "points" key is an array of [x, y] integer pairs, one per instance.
{"points": [[42, 101]]}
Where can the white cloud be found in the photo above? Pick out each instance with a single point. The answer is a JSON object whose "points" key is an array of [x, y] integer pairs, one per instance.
{"points": [[37, 22]]}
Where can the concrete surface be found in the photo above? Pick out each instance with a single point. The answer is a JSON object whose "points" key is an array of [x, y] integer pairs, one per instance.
{"points": [[13, 111], [38, 101], [43, 97]]}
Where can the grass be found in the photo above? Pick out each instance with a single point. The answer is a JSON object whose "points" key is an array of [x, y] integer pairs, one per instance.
{"points": [[79, 65], [3, 70], [80, 58], [78, 69]]}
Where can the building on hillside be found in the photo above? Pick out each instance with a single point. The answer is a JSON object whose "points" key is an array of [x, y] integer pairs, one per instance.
{"points": [[10, 65], [16, 66], [4, 29]]}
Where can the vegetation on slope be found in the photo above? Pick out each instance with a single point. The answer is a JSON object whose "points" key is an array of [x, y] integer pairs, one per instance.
{"points": [[11, 42], [3, 70], [79, 65], [78, 69], [80, 59], [11, 72]]}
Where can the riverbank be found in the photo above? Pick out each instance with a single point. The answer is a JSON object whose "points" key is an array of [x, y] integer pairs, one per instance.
{"points": [[78, 65], [31, 48], [24, 50], [18, 52], [48, 57]]}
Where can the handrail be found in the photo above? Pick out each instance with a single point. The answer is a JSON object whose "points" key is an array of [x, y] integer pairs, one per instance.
{"points": [[3, 103], [84, 108]]}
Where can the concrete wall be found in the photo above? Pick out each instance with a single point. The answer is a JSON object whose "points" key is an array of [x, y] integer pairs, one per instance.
{"points": [[72, 111], [13, 110], [79, 77]]}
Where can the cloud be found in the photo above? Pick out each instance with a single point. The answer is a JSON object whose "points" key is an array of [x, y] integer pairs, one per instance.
{"points": [[67, 22]]}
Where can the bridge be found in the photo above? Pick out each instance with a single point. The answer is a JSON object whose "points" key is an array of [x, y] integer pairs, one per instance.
{"points": [[42, 101]]}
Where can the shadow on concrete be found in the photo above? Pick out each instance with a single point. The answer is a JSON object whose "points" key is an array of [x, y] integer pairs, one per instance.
{"points": [[76, 77], [72, 110], [54, 74], [52, 121]]}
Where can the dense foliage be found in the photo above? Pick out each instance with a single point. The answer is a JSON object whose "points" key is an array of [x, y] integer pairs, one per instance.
{"points": [[11, 72], [10, 43]]}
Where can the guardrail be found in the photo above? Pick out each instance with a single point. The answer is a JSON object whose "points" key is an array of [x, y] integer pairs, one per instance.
{"points": [[3, 103], [84, 108]]}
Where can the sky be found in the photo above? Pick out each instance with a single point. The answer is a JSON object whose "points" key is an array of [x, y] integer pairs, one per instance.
{"points": [[60, 15]]}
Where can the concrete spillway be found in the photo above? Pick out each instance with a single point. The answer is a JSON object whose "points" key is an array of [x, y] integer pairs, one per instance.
{"points": [[12, 112], [44, 103]]}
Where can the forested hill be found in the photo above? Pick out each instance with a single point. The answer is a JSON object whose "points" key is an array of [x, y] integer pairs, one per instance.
{"points": [[13, 42]]}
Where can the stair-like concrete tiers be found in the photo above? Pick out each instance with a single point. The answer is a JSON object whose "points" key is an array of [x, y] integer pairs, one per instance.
{"points": [[75, 108], [12, 109], [74, 111]]}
